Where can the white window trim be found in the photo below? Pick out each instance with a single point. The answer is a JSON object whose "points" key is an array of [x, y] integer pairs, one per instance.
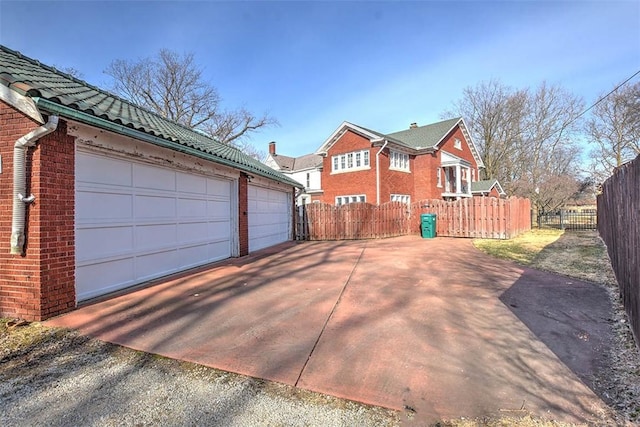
{"points": [[457, 143], [346, 162], [439, 177], [404, 198], [350, 198], [399, 157]]}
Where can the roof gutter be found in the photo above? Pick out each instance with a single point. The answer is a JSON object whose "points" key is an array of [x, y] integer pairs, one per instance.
{"points": [[20, 202], [378, 172], [101, 123]]}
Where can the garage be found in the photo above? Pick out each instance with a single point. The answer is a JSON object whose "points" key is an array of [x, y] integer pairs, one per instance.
{"points": [[137, 221], [100, 195], [269, 213]]}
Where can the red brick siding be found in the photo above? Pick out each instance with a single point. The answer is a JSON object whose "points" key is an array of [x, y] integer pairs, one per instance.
{"points": [[425, 178], [243, 214], [41, 282], [349, 183], [393, 181], [465, 153]]}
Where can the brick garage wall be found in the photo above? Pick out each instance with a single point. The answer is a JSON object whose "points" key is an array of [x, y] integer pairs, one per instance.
{"points": [[349, 183], [39, 283], [243, 214]]}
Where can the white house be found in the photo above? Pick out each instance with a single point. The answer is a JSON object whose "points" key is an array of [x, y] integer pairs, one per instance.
{"points": [[307, 170]]}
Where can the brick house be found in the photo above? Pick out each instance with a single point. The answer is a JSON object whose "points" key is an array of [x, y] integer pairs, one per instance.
{"points": [[436, 161], [99, 195]]}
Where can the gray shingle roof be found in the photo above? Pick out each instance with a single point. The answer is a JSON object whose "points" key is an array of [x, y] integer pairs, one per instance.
{"points": [[38, 81], [307, 162], [483, 186], [285, 163], [424, 136], [292, 164]]}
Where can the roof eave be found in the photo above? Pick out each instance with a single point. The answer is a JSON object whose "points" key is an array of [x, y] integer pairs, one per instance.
{"points": [[68, 112], [328, 143]]}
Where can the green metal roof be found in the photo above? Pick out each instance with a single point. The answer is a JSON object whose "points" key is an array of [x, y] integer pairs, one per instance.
{"points": [[425, 136], [59, 93]]}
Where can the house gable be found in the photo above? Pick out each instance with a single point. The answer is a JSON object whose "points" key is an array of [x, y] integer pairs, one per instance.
{"points": [[489, 187], [434, 136], [341, 130]]}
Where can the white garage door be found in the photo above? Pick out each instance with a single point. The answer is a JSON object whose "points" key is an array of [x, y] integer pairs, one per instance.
{"points": [[269, 217], [136, 221]]}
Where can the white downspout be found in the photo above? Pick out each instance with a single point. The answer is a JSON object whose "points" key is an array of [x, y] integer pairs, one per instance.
{"points": [[20, 181], [378, 172]]}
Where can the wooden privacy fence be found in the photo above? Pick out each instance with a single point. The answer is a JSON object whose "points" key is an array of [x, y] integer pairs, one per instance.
{"points": [[481, 217], [619, 227], [477, 217]]}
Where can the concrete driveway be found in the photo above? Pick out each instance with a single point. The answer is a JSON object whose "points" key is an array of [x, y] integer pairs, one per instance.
{"points": [[428, 326]]}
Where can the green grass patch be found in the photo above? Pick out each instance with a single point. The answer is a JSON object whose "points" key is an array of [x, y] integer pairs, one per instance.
{"points": [[577, 254], [523, 249]]}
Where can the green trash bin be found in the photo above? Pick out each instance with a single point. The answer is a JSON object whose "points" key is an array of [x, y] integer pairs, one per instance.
{"points": [[428, 225]]}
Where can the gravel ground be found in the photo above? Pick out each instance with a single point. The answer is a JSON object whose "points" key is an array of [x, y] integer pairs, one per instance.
{"points": [[63, 379]]}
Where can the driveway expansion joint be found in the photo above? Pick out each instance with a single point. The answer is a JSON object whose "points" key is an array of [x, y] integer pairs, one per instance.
{"points": [[333, 310]]}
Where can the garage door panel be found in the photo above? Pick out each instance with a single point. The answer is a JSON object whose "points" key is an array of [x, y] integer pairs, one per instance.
{"points": [[98, 279], [155, 236], [104, 170], [155, 207], [192, 208], [153, 177], [217, 187], [98, 205], [106, 242], [193, 232], [218, 230], [156, 264], [218, 208], [186, 183], [218, 250], [192, 256]]}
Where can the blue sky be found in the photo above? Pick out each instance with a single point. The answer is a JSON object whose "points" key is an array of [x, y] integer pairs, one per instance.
{"points": [[313, 65]]}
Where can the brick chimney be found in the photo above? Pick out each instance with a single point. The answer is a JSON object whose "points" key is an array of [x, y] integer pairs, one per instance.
{"points": [[272, 148], [413, 125]]}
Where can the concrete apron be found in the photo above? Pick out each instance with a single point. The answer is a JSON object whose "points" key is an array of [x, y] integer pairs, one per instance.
{"points": [[407, 323]]}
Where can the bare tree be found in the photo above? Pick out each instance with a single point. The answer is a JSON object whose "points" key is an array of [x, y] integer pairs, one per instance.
{"points": [[527, 138], [494, 113], [171, 85], [74, 72], [614, 131]]}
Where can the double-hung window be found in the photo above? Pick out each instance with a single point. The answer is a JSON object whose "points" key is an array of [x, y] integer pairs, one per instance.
{"points": [[404, 198], [344, 200], [353, 161], [399, 161]]}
